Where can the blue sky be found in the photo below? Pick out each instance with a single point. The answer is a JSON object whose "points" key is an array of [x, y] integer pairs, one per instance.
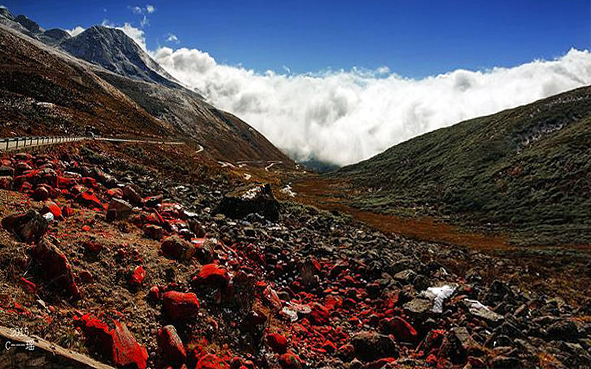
{"points": [[329, 97], [414, 38]]}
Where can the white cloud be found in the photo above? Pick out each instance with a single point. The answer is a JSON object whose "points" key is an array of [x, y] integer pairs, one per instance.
{"points": [[75, 31], [347, 116], [172, 38], [137, 10], [144, 21], [150, 9]]}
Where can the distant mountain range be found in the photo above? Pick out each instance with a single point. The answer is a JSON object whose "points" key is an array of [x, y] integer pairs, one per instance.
{"points": [[102, 81], [527, 169]]}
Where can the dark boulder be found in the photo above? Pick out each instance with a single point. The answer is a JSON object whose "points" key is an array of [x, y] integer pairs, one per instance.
{"points": [[256, 198]]}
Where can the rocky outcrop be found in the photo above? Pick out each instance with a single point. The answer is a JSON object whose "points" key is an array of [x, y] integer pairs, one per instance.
{"points": [[252, 199]]}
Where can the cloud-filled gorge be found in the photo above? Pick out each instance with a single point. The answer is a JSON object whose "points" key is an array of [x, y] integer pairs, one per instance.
{"points": [[347, 116]]}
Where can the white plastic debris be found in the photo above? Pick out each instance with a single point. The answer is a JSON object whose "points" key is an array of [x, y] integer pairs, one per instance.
{"points": [[475, 304], [250, 194], [49, 217], [288, 191], [439, 295], [293, 311]]}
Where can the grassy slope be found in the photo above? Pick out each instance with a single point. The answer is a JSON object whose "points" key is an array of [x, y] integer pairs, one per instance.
{"points": [[516, 169]]}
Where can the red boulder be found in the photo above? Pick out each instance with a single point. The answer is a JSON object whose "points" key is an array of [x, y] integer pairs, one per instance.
{"points": [[211, 275], [55, 268], [277, 342], [401, 329], [180, 306], [171, 345]]}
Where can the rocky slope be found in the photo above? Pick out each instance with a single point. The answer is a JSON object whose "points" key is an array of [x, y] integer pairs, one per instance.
{"points": [[44, 92], [525, 171], [108, 256]]}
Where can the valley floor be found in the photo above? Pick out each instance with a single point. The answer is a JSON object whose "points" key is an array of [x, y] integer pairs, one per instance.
{"points": [[136, 269]]}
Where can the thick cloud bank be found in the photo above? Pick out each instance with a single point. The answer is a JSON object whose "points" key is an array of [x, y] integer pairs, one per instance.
{"points": [[347, 116]]}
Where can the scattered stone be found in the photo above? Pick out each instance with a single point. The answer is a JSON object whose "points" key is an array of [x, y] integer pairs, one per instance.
{"points": [[482, 312], [28, 227], [370, 346], [563, 330], [418, 307], [122, 209], [177, 248], [153, 231], [131, 195]]}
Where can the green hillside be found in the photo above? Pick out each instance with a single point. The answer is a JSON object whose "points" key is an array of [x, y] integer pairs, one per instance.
{"points": [[525, 170]]}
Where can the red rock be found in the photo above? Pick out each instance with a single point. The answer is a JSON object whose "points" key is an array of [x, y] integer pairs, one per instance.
{"points": [[431, 360], [116, 193], [137, 277], [401, 329], [89, 182], [211, 275], [209, 361], [277, 342], [181, 306], [98, 335], [88, 198], [319, 314], [154, 293], [55, 268], [290, 361], [126, 351], [432, 341], [28, 285], [78, 190], [92, 246], [346, 351], [329, 347], [177, 248], [380, 363], [51, 207], [67, 211], [171, 345]]}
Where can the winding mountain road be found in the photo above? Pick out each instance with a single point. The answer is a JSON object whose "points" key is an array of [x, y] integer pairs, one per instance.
{"points": [[19, 143]]}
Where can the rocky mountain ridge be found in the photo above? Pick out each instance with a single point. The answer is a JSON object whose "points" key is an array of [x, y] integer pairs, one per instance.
{"points": [[109, 58]]}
